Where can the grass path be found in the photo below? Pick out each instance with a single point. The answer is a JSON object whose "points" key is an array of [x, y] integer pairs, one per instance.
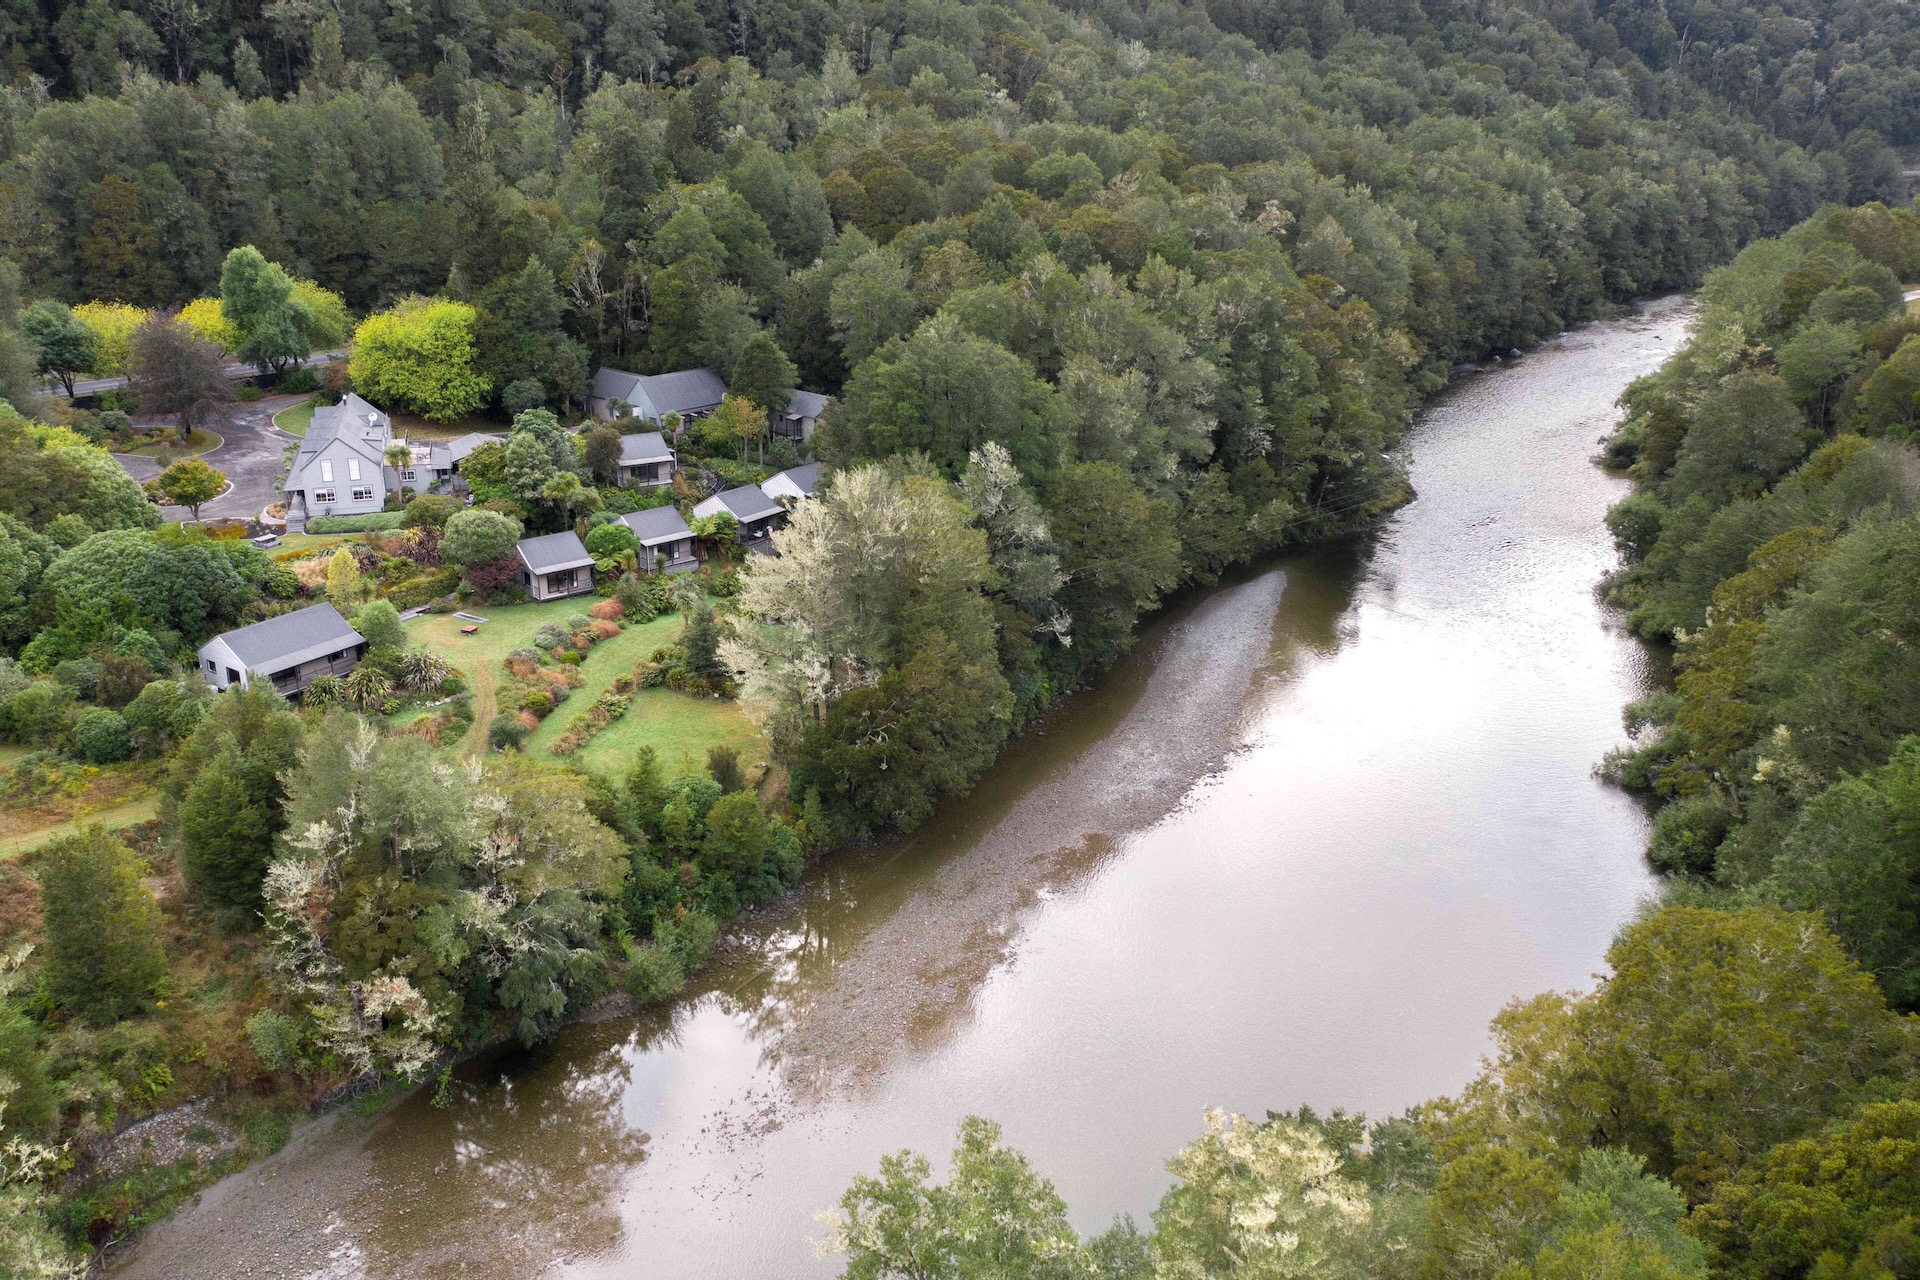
{"points": [[112, 818], [678, 726], [480, 655]]}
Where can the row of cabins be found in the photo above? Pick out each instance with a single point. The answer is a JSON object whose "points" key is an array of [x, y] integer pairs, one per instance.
{"points": [[294, 649], [557, 565]]}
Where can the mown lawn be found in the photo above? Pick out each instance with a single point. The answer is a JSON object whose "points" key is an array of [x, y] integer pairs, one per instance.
{"points": [[295, 418], [678, 726], [198, 441]]}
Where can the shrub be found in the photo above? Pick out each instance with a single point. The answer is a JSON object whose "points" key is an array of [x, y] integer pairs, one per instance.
{"points": [[299, 382], [432, 510], [369, 523], [280, 582], [577, 622], [604, 630], [723, 766], [507, 732], [608, 611], [569, 656], [550, 636], [538, 703], [425, 589], [654, 973], [276, 1039], [100, 737]]}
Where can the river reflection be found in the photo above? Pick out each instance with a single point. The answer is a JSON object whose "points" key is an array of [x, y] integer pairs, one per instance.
{"points": [[1322, 825]]}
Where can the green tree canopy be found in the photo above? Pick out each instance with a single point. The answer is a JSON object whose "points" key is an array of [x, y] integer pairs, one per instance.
{"points": [[104, 960]]}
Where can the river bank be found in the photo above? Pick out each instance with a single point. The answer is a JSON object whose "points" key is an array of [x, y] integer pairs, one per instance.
{"points": [[1321, 824]]}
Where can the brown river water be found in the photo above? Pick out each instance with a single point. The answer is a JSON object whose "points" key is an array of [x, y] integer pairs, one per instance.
{"points": [[1299, 848]]}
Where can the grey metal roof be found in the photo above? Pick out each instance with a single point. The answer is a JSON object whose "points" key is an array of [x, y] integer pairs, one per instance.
{"points": [[644, 446], [685, 390], [803, 478], [553, 552], [354, 423], [661, 524], [291, 638], [680, 392], [748, 502], [613, 384], [457, 451], [806, 404]]}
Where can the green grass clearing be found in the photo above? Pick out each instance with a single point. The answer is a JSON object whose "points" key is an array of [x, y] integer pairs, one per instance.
{"points": [[198, 441], [678, 726], [113, 818], [295, 418]]}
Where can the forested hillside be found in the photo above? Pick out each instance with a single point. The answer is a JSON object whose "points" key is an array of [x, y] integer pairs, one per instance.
{"points": [[1772, 535], [1739, 1096], [1109, 299]]}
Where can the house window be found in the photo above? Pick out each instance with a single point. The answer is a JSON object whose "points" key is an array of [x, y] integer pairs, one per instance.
{"points": [[233, 677], [353, 468], [326, 470], [336, 655], [322, 495], [407, 474], [363, 494]]}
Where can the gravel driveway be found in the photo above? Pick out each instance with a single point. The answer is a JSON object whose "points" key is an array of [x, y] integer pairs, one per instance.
{"points": [[249, 452]]}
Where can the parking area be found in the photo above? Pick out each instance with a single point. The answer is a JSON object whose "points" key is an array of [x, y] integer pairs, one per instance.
{"points": [[250, 453]]}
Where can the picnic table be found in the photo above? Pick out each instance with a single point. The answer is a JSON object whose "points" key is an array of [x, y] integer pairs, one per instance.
{"points": [[469, 629]]}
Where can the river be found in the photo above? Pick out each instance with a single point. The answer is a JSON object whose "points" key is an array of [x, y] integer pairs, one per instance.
{"points": [[1325, 822]]}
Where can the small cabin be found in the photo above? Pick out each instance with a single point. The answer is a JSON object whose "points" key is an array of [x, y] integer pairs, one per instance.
{"points": [[290, 651], [667, 545], [554, 566]]}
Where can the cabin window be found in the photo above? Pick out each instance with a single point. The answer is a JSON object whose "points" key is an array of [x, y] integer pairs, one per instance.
{"points": [[353, 468], [233, 677], [326, 470], [336, 655]]}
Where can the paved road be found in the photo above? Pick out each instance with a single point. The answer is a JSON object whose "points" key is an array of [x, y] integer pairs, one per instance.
{"points": [[249, 452], [237, 372]]}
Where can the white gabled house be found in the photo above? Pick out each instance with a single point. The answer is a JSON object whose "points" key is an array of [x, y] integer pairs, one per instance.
{"points": [[341, 468], [290, 651]]}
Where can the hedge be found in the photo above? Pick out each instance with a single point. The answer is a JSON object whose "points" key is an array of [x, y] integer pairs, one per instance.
{"points": [[370, 523]]}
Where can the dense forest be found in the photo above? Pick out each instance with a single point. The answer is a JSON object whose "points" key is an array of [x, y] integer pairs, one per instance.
{"points": [[1740, 1095], [1109, 299]]}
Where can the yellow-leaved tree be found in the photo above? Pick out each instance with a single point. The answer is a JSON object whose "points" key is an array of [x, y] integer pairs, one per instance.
{"points": [[418, 356], [112, 325]]}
